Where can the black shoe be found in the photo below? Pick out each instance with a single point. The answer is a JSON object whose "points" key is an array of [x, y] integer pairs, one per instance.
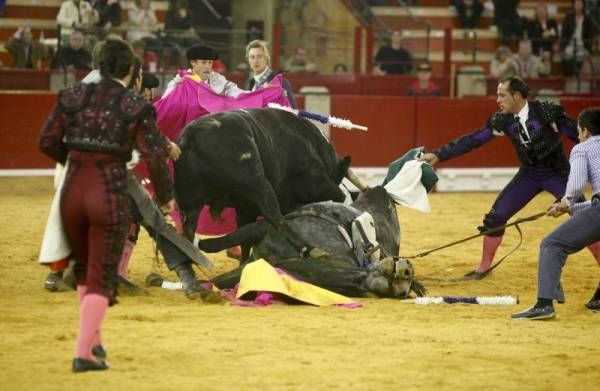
{"points": [[99, 352], [54, 282], [82, 365], [593, 305], [535, 313]]}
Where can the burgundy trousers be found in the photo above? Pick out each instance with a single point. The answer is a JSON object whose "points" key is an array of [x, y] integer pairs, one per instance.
{"points": [[94, 208]]}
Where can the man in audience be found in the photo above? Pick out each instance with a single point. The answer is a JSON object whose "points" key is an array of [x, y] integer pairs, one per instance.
{"points": [[530, 65], [25, 52], [109, 14], [469, 13], [507, 19], [394, 58], [543, 31], [75, 14], [576, 38], [423, 86], [300, 62], [74, 56], [503, 64]]}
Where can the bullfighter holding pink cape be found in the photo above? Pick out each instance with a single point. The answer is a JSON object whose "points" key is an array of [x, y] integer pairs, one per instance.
{"points": [[190, 96]]}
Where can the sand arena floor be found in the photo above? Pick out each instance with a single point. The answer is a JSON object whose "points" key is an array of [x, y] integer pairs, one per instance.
{"points": [[164, 341]]}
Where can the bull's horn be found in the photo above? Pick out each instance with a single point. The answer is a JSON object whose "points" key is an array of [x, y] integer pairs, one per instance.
{"points": [[355, 180]]}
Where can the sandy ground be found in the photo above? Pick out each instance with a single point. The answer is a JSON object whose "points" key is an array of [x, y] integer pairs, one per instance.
{"points": [[164, 341]]}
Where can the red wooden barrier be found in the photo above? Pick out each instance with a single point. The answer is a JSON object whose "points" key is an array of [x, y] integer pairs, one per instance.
{"points": [[396, 84], [396, 124], [21, 118], [391, 128]]}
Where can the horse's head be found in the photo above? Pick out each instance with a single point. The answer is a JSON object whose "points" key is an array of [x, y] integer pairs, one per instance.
{"points": [[380, 205], [392, 277]]}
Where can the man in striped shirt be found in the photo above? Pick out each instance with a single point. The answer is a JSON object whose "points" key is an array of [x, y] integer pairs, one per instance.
{"points": [[582, 229]]}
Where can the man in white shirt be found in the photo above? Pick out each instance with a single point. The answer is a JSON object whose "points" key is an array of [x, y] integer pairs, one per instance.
{"points": [[259, 60]]}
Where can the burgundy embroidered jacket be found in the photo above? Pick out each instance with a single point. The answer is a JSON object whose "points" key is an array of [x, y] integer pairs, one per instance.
{"points": [[107, 118]]}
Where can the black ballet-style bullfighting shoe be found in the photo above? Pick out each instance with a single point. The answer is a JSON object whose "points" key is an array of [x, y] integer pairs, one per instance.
{"points": [[99, 352], [593, 305], [83, 365]]}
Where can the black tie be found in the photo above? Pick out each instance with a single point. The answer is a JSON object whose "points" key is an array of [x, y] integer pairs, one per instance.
{"points": [[522, 132]]}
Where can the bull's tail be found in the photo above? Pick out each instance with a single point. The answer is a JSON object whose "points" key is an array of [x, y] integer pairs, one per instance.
{"points": [[248, 235]]}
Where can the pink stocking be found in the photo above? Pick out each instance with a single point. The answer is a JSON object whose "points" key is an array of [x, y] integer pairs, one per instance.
{"points": [[595, 250], [124, 262], [92, 312], [490, 245]]}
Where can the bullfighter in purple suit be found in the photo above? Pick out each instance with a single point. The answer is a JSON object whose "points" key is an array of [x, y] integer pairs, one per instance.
{"points": [[534, 129]]}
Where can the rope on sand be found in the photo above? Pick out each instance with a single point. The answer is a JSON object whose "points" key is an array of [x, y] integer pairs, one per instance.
{"points": [[481, 300]]}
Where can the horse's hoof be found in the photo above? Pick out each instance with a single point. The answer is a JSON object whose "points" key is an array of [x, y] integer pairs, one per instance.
{"points": [[154, 279]]}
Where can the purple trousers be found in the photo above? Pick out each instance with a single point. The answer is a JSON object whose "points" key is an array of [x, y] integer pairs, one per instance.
{"points": [[526, 184]]}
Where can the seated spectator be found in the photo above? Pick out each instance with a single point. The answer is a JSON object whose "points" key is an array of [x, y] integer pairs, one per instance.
{"points": [[340, 69], [503, 64], [528, 64], [300, 62], [469, 13], [75, 14], [109, 14], [179, 30], [142, 21], [178, 19], [74, 56], [507, 19], [24, 51], [393, 58], [423, 86], [542, 31], [576, 38]]}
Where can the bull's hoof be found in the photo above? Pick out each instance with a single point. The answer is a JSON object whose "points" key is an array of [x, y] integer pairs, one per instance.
{"points": [[128, 288]]}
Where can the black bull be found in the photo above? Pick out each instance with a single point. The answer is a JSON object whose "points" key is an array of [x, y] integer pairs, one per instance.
{"points": [[342, 269], [263, 162]]}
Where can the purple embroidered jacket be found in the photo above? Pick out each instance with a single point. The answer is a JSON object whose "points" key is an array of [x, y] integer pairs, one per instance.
{"points": [[545, 146]]}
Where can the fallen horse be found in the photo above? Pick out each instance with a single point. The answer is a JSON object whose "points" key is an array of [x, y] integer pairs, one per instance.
{"points": [[354, 263]]}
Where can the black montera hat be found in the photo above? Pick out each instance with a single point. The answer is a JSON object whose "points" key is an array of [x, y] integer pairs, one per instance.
{"points": [[149, 81], [202, 52]]}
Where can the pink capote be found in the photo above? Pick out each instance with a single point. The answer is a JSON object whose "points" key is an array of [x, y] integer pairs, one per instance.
{"points": [[191, 100]]}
